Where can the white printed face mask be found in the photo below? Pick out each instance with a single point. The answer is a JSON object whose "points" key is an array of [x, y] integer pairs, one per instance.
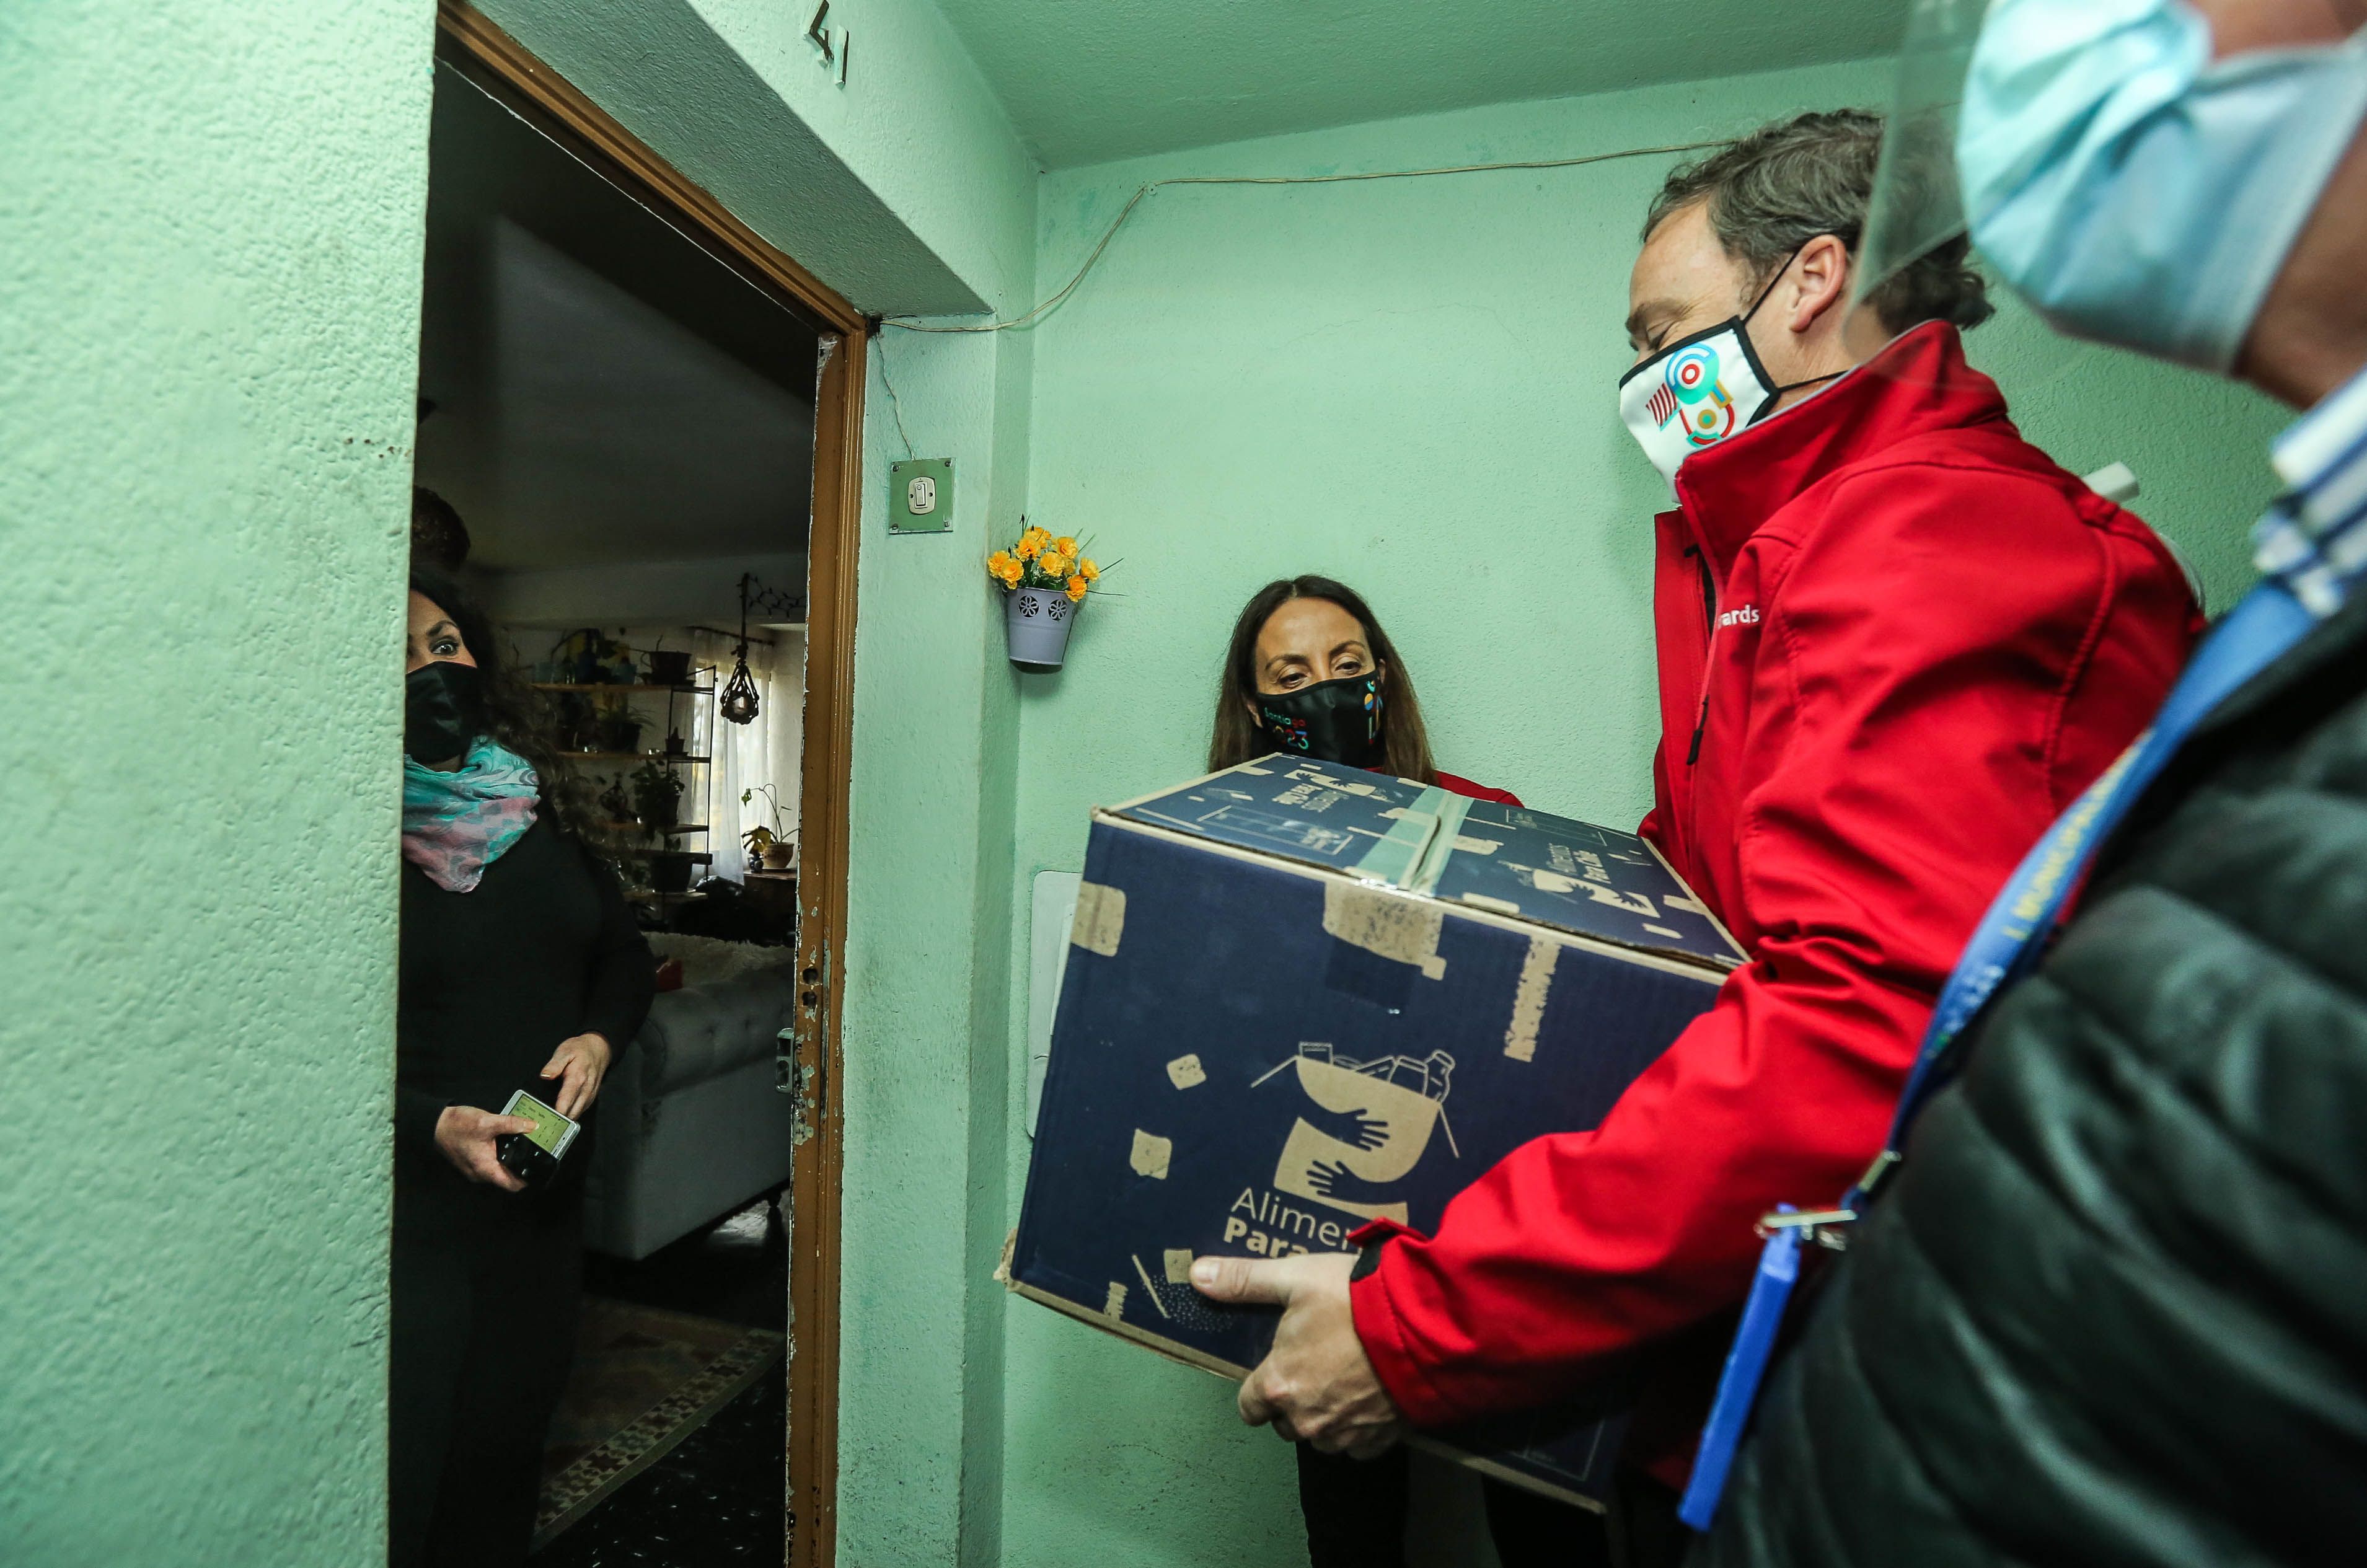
{"points": [[1701, 390]]}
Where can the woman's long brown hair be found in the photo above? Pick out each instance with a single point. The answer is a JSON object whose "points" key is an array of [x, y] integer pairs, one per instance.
{"points": [[516, 715], [1405, 744]]}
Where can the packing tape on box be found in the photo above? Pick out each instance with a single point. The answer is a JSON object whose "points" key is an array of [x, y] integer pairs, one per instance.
{"points": [[1529, 998], [1389, 924], [1396, 857], [1151, 1155], [1100, 924]]}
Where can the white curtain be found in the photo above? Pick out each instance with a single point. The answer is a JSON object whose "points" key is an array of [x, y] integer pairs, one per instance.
{"points": [[741, 753]]}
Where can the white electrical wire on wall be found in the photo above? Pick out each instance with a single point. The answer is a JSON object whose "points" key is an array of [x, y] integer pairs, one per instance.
{"points": [[1136, 200]]}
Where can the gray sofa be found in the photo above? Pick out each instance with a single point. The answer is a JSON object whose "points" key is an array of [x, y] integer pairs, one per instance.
{"points": [[689, 1125]]}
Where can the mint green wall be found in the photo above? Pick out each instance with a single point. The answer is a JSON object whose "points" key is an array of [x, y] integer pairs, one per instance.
{"points": [[209, 254], [1408, 385], [212, 236], [904, 190]]}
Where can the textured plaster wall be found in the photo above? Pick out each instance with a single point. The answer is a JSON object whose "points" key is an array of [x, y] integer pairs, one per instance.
{"points": [[1408, 385], [905, 189], [209, 251], [921, 1388]]}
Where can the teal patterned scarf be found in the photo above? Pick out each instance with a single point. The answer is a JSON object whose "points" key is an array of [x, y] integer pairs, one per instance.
{"points": [[456, 824]]}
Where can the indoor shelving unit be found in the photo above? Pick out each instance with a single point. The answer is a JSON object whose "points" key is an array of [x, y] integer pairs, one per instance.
{"points": [[693, 802]]}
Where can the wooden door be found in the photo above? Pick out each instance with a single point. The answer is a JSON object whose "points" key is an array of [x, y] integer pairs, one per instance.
{"points": [[810, 1073]]}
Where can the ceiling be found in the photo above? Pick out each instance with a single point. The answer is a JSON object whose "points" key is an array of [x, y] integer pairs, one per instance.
{"points": [[599, 388], [1085, 81]]}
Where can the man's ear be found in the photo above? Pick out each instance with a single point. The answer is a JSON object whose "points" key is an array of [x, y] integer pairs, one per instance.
{"points": [[1821, 278]]}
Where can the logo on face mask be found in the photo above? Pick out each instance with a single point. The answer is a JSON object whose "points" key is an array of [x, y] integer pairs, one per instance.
{"points": [[1288, 731], [1690, 389], [1707, 386], [1331, 721]]}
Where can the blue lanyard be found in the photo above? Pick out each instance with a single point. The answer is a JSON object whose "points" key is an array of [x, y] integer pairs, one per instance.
{"points": [[2003, 947]]}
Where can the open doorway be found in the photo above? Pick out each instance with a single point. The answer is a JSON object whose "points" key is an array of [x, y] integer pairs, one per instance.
{"points": [[645, 421]]}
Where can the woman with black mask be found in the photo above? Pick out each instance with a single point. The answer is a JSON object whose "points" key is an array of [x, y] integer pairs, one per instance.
{"points": [[1310, 673], [521, 968]]}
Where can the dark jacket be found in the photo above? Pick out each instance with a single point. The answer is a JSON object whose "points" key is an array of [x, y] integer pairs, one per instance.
{"points": [[542, 948], [2113, 1309]]}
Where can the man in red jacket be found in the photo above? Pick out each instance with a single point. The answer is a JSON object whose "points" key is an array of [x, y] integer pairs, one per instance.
{"points": [[1894, 641]]}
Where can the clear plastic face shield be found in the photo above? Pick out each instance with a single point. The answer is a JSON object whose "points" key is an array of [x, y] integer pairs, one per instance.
{"points": [[1918, 202], [1918, 206], [2131, 186]]}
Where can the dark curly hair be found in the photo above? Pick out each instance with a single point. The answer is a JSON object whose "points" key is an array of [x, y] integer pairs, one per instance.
{"points": [[438, 537], [1782, 185], [516, 715], [1405, 743]]}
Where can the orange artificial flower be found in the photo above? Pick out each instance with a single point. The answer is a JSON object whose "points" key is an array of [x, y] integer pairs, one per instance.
{"points": [[1077, 586], [1053, 564], [1029, 546], [1066, 545], [1088, 570]]}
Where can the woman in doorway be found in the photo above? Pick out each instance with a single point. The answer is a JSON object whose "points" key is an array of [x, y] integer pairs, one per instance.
{"points": [[1310, 673], [521, 968]]}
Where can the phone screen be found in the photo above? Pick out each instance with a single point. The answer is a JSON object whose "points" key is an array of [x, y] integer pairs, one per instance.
{"points": [[552, 1133]]}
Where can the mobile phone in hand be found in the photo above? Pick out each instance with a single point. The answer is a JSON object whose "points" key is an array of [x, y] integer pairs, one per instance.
{"points": [[533, 1157]]}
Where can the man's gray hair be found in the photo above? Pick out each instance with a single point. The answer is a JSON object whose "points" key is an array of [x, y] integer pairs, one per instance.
{"points": [[1784, 183]]}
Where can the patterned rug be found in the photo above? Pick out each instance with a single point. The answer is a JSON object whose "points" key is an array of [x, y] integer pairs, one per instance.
{"points": [[644, 1380]]}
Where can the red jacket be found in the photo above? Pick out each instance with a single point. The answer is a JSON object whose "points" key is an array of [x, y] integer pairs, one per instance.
{"points": [[1895, 641], [1453, 786]]}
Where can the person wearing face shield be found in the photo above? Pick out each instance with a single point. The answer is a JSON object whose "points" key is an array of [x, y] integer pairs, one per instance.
{"points": [[2102, 1297], [1895, 641]]}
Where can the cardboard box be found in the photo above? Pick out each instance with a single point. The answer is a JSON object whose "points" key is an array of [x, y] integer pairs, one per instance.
{"points": [[1299, 997]]}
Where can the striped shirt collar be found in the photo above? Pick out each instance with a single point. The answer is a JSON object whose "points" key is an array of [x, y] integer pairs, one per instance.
{"points": [[2313, 540]]}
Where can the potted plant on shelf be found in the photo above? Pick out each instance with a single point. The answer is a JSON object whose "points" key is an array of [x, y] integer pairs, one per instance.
{"points": [[768, 853], [588, 657], [774, 847], [669, 666], [1044, 582], [657, 797], [576, 720], [613, 802], [620, 730]]}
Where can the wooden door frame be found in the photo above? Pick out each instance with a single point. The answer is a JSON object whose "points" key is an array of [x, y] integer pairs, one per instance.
{"points": [[554, 106]]}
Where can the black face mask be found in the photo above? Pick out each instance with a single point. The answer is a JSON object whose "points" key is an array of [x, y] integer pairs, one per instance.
{"points": [[443, 710], [1331, 721]]}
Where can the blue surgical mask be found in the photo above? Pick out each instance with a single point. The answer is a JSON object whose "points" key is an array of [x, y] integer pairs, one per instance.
{"points": [[2132, 190]]}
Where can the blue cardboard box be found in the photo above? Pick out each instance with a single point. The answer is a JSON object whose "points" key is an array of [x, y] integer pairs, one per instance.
{"points": [[1300, 996]]}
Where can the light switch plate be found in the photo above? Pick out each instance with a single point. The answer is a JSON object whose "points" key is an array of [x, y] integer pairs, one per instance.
{"points": [[1053, 910], [920, 495]]}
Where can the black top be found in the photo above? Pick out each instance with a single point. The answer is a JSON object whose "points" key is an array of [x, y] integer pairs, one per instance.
{"points": [[2112, 1310], [542, 948]]}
